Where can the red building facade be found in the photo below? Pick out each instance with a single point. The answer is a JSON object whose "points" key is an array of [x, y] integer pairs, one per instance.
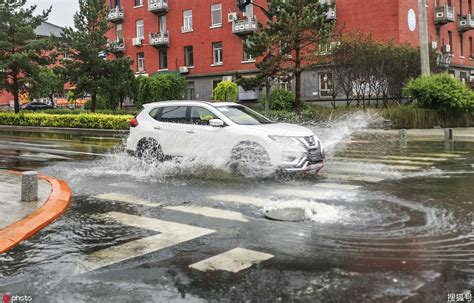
{"points": [[203, 39]]}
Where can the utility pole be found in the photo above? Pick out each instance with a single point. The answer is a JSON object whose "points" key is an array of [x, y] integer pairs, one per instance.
{"points": [[424, 48]]}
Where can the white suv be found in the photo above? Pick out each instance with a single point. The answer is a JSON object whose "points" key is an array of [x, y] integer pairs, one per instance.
{"points": [[222, 133]]}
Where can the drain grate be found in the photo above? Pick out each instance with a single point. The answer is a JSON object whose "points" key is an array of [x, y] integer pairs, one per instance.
{"points": [[286, 214]]}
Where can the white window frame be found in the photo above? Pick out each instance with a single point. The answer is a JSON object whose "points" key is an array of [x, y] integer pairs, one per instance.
{"points": [[217, 54], [140, 27], [163, 23], [139, 5], [187, 21], [140, 63], [248, 12], [119, 31], [246, 57], [217, 7]]}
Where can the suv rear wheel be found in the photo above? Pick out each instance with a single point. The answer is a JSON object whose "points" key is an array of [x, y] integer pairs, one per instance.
{"points": [[149, 151]]}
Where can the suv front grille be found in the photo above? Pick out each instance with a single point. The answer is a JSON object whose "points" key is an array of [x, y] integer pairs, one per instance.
{"points": [[310, 140]]}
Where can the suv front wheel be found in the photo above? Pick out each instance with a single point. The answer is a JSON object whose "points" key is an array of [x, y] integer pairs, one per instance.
{"points": [[250, 159]]}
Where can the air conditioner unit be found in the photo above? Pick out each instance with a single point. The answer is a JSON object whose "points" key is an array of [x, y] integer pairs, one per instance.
{"points": [[434, 45], [227, 78], [183, 70], [440, 15], [446, 48], [232, 17], [137, 41]]}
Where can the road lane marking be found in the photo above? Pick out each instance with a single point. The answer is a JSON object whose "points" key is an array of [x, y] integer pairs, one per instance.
{"points": [[126, 185], [211, 212], [337, 186], [443, 155], [233, 260], [249, 200], [361, 171], [415, 158], [384, 161], [363, 166], [127, 199], [171, 234], [352, 177], [45, 156]]}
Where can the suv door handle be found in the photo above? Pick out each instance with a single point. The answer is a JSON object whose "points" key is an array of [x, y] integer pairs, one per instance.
{"points": [[190, 131], [157, 127]]}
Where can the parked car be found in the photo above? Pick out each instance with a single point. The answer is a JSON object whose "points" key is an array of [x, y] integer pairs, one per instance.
{"points": [[36, 106], [224, 132]]}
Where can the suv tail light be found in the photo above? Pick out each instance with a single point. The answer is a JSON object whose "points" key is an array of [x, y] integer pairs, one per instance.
{"points": [[134, 122]]}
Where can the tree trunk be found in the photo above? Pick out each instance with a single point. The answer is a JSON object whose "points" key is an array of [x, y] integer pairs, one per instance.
{"points": [[298, 92], [93, 102], [267, 97], [16, 101]]}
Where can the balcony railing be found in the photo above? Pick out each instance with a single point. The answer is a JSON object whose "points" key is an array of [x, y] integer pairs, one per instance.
{"points": [[116, 46], [116, 14], [466, 23], [159, 39], [158, 6], [444, 14], [245, 26]]}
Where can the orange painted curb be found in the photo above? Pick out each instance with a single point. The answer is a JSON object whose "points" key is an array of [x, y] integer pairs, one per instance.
{"points": [[57, 203]]}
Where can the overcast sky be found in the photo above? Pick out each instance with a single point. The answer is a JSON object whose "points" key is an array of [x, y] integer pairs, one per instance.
{"points": [[62, 13]]}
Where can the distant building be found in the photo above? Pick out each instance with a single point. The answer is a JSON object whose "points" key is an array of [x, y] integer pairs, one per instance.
{"points": [[46, 29]]}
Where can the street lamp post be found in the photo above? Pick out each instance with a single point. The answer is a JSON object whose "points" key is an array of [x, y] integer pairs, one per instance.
{"points": [[424, 48]]}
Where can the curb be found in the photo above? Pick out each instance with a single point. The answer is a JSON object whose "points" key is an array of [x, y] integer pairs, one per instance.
{"points": [[57, 203]]}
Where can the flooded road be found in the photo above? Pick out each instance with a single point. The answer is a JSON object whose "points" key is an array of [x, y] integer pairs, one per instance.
{"points": [[386, 221]]}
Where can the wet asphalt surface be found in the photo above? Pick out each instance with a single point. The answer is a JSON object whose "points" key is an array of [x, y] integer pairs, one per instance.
{"points": [[379, 229]]}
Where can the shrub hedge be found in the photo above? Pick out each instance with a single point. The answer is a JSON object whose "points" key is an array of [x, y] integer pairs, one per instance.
{"points": [[83, 120]]}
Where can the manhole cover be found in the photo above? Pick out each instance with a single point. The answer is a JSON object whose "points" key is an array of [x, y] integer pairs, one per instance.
{"points": [[286, 214]]}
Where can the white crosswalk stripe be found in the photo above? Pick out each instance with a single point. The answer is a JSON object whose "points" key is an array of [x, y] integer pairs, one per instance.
{"points": [[337, 186], [127, 199], [170, 234], [383, 161], [211, 212], [233, 260], [249, 200], [433, 159], [348, 177], [126, 185], [364, 166]]}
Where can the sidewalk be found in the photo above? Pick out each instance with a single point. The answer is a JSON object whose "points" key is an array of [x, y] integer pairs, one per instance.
{"points": [[19, 220], [11, 208]]}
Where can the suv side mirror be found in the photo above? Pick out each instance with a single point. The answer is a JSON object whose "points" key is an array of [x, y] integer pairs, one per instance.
{"points": [[216, 123]]}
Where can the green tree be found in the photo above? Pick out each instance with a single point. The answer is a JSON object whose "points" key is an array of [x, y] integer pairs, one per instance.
{"points": [[287, 46], [120, 84], [225, 91], [160, 87], [48, 83], [21, 53], [88, 69]]}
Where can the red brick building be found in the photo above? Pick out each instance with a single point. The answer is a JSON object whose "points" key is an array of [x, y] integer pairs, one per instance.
{"points": [[203, 39]]}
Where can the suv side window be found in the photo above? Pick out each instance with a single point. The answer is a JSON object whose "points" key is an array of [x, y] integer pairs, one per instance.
{"points": [[201, 115], [174, 114]]}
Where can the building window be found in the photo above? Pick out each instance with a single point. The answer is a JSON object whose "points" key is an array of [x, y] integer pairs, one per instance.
{"points": [[140, 29], [141, 62], [217, 53], [162, 20], [188, 56], [286, 85], [325, 84], [216, 15], [190, 90], [138, 3], [248, 12], [461, 45], [187, 20], [450, 40], [247, 57], [469, 6], [119, 32], [163, 54]]}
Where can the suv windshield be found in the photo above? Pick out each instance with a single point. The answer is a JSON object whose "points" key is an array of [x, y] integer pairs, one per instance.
{"points": [[242, 115]]}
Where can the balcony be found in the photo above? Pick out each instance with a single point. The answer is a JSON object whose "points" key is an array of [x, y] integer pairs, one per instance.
{"points": [[158, 6], [331, 14], [466, 22], [159, 39], [245, 26], [444, 14], [116, 14], [116, 46]]}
